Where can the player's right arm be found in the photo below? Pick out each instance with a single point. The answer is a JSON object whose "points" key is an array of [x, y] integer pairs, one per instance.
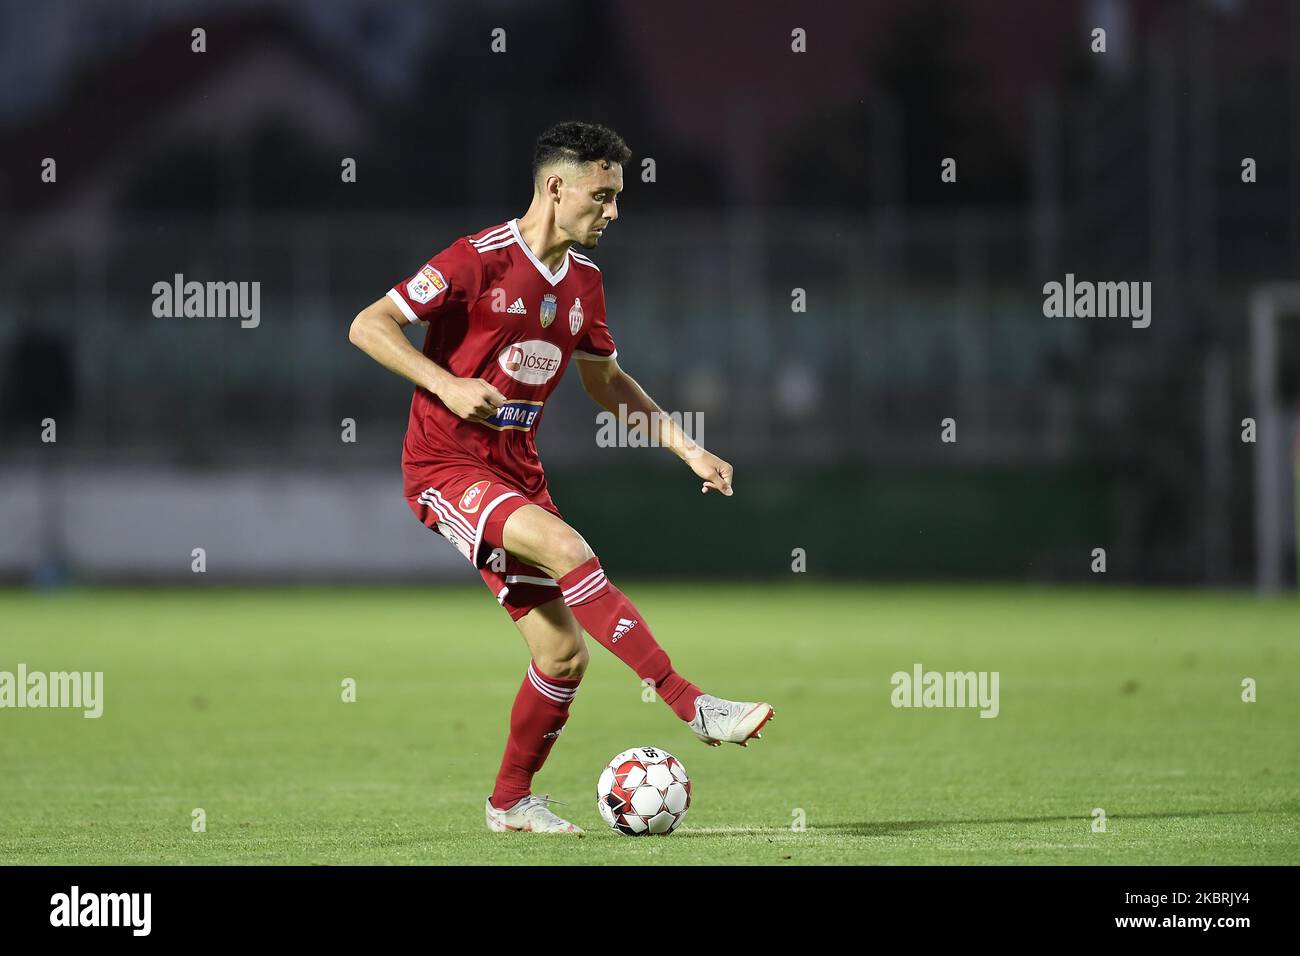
{"points": [[377, 331]]}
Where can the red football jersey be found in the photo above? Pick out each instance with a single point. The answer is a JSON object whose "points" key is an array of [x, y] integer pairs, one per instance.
{"points": [[497, 313]]}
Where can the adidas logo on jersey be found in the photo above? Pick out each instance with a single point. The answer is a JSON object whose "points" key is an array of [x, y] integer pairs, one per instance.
{"points": [[517, 307], [624, 625]]}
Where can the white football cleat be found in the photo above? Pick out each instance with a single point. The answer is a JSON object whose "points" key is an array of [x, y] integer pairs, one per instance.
{"points": [[719, 721], [529, 815]]}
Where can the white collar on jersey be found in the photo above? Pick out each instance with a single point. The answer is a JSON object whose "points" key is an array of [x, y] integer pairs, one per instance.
{"points": [[552, 277]]}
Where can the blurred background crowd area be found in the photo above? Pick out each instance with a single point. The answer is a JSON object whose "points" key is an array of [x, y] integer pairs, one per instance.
{"points": [[774, 171]]}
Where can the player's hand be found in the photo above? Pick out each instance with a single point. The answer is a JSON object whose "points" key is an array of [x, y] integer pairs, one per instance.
{"points": [[715, 472], [472, 399]]}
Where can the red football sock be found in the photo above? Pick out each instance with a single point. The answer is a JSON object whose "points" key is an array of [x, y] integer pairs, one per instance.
{"points": [[540, 710], [607, 615]]}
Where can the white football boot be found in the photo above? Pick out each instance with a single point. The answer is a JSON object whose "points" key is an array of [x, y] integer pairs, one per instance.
{"points": [[529, 815], [719, 721]]}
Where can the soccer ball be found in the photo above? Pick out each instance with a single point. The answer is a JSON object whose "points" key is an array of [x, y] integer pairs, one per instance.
{"points": [[643, 792]]}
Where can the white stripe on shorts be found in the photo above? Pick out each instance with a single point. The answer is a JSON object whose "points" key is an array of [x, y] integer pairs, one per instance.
{"points": [[447, 515]]}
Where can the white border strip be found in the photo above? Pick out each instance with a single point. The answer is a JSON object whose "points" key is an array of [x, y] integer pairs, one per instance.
{"points": [[401, 304], [530, 579], [482, 522]]}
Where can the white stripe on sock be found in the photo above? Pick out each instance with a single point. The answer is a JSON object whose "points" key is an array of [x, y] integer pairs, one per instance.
{"points": [[591, 591], [573, 588], [556, 692]]}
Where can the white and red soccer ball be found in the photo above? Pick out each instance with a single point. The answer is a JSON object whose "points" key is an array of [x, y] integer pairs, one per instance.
{"points": [[643, 792]]}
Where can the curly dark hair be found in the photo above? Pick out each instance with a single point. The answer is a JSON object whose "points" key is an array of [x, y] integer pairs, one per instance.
{"points": [[579, 142]]}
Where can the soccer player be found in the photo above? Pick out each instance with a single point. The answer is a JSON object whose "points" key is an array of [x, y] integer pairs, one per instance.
{"points": [[506, 308]]}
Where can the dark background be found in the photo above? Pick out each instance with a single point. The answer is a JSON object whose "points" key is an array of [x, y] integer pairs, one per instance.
{"points": [[774, 170]]}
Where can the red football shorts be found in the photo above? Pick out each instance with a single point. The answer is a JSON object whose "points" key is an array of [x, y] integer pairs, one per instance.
{"points": [[469, 506]]}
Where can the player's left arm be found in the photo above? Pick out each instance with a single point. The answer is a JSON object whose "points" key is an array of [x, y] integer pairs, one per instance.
{"points": [[611, 387]]}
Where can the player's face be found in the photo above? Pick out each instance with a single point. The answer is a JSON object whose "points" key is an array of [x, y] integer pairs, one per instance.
{"points": [[590, 204]]}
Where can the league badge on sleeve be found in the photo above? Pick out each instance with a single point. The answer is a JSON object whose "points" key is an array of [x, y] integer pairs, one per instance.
{"points": [[548, 310], [575, 316], [428, 282]]}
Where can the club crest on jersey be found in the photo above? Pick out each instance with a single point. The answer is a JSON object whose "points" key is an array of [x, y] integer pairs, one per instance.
{"points": [[548, 310], [473, 497], [575, 316], [426, 284]]}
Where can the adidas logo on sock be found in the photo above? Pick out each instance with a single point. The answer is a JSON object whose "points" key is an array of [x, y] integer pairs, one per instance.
{"points": [[517, 307], [624, 625]]}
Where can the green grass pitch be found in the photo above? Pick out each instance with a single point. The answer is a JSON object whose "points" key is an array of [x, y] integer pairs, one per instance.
{"points": [[230, 701]]}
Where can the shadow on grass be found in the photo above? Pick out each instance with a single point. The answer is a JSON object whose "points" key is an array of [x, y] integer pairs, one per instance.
{"points": [[884, 827]]}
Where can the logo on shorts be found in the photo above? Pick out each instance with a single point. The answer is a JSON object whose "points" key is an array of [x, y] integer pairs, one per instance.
{"points": [[427, 283], [473, 497], [548, 310], [533, 362], [575, 316]]}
